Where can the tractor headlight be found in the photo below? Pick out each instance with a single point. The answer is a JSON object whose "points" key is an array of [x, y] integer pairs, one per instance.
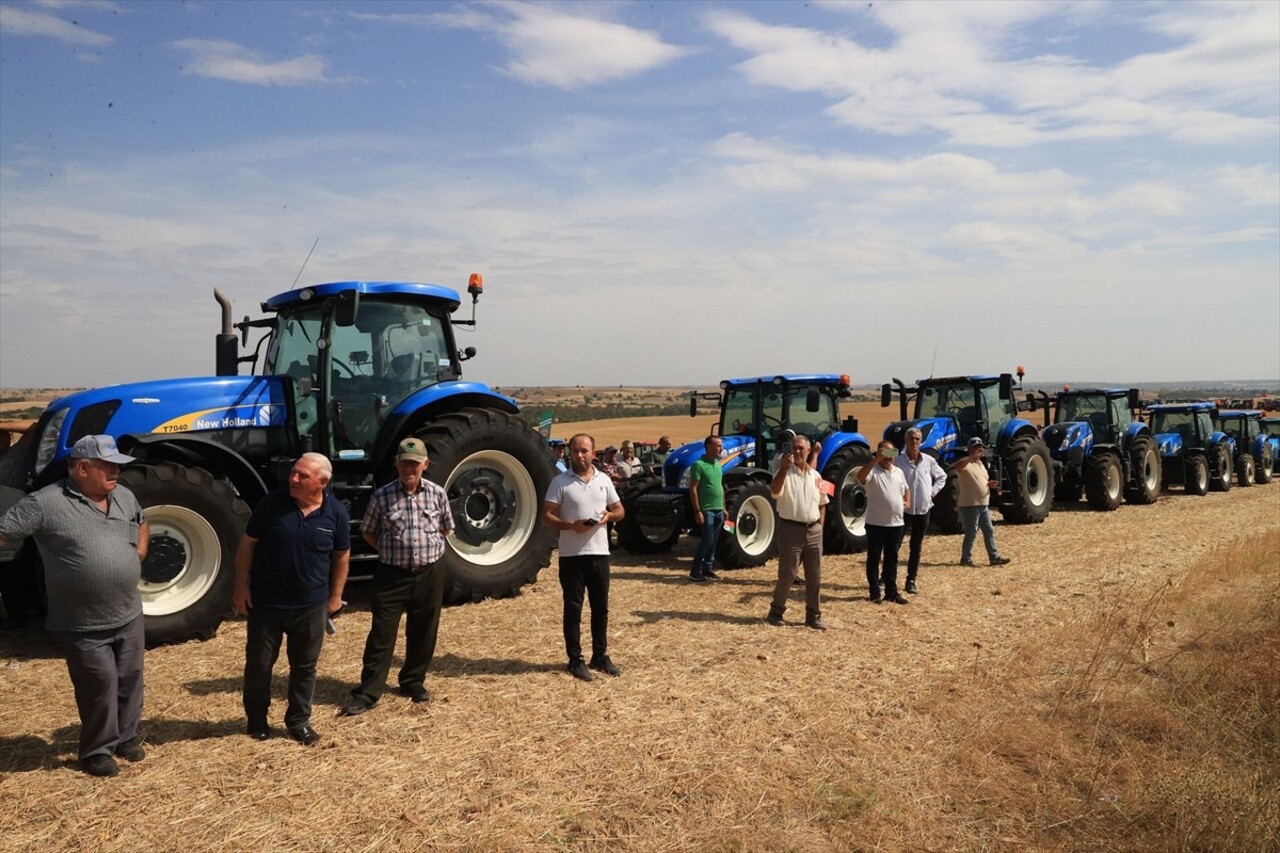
{"points": [[684, 478], [48, 446]]}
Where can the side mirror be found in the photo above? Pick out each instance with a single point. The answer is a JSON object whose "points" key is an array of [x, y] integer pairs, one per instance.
{"points": [[1032, 405], [886, 395], [1135, 402], [1006, 386], [467, 354], [812, 401], [348, 305], [693, 405]]}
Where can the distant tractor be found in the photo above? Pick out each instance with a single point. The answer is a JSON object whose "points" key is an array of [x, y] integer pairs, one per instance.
{"points": [[950, 411], [756, 417], [1194, 454], [1254, 454], [348, 370], [1271, 429], [1105, 449]]}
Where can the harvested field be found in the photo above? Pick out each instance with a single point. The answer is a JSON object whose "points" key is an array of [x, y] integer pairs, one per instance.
{"points": [[987, 715]]}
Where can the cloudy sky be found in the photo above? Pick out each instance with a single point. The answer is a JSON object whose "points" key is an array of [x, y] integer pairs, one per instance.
{"points": [[656, 193]]}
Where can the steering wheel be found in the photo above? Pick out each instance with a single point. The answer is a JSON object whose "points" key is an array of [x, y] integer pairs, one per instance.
{"points": [[346, 367]]}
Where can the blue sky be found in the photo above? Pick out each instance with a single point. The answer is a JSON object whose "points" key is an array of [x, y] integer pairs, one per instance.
{"points": [[656, 193]]}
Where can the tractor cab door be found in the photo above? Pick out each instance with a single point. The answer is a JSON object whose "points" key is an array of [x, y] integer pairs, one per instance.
{"points": [[812, 411], [993, 413], [1204, 428], [292, 354]]}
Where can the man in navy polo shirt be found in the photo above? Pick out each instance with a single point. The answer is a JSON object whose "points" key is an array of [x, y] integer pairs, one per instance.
{"points": [[291, 567]]}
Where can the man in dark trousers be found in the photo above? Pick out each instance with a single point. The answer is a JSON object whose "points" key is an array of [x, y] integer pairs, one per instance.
{"points": [[888, 499], [93, 538], [407, 522], [291, 567]]}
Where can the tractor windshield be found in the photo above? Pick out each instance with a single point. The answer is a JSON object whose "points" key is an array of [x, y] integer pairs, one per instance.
{"points": [[1190, 425], [1271, 426], [1081, 408], [812, 425], [936, 401]]}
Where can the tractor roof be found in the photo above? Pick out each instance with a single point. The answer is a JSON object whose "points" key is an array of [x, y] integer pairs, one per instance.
{"points": [[953, 380], [789, 379], [1109, 393], [1237, 413], [1183, 407], [432, 292]]}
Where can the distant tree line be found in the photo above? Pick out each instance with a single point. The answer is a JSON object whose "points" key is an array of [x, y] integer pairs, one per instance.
{"points": [[532, 412]]}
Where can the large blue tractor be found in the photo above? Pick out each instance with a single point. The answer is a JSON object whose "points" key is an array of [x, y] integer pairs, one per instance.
{"points": [[756, 416], [951, 410], [1196, 455], [1104, 448], [346, 369], [1252, 449]]}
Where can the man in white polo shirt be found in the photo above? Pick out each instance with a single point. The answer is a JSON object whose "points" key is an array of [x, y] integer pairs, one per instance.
{"points": [[802, 507], [580, 503], [888, 497]]}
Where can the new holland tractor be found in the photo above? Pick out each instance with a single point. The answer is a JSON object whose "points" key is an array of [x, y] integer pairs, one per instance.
{"points": [[757, 416], [1195, 455], [347, 369], [951, 410], [1254, 456], [1105, 449]]}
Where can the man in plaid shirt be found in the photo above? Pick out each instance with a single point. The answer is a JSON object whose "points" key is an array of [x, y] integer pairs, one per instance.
{"points": [[407, 522]]}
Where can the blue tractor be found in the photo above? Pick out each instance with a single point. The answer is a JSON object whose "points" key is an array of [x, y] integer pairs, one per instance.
{"points": [[951, 410], [1253, 451], [1195, 454], [347, 369], [1270, 426], [1104, 448], [757, 416]]}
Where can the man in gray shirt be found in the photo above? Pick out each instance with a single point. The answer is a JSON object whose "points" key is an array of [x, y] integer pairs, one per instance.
{"points": [[92, 538]]}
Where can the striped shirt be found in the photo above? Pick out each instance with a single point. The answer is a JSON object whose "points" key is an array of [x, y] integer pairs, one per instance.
{"points": [[411, 527]]}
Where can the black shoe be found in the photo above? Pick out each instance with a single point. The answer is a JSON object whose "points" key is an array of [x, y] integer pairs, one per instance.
{"points": [[875, 597], [100, 765], [355, 708], [304, 734], [911, 587], [896, 599], [999, 561], [578, 669], [258, 729], [130, 750], [816, 623], [968, 563], [710, 575], [698, 578], [605, 665], [416, 692]]}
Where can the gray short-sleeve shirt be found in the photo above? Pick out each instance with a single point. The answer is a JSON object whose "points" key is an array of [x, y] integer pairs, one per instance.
{"points": [[91, 565]]}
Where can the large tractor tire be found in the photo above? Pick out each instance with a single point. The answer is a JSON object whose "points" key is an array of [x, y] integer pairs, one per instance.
{"points": [[196, 521], [846, 528], [646, 538], [1266, 466], [944, 515], [1245, 469], [753, 536], [1196, 475], [1220, 470], [495, 471], [1103, 481], [1030, 481], [1144, 461]]}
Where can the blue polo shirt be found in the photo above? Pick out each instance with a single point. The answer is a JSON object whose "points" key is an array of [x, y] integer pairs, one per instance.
{"points": [[293, 560]]}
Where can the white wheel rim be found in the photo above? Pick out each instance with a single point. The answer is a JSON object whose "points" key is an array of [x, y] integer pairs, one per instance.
{"points": [[196, 540], [516, 478], [758, 541], [1037, 480]]}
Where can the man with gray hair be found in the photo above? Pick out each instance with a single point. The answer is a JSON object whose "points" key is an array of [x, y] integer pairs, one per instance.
{"points": [[291, 567], [93, 538], [925, 479]]}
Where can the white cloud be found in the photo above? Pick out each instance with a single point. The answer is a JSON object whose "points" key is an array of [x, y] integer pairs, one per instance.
{"points": [[1252, 185], [26, 21], [224, 60]]}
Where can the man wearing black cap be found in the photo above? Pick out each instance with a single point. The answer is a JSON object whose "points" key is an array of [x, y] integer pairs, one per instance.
{"points": [[407, 522], [974, 484], [93, 537]]}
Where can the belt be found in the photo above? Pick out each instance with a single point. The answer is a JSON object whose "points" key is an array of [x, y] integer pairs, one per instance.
{"points": [[806, 524], [413, 570]]}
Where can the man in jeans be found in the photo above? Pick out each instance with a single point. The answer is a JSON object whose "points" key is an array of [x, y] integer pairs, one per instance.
{"points": [[888, 497], [706, 493], [974, 485]]}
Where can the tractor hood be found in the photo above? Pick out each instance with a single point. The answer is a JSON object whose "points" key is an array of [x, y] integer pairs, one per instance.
{"points": [[937, 434], [1170, 444], [1062, 437], [738, 449]]}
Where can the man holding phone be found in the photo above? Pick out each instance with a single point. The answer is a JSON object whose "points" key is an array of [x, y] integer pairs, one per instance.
{"points": [[888, 498], [802, 509], [580, 503], [973, 495]]}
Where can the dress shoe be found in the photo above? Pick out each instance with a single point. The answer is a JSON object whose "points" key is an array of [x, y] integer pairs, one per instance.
{"points": [[578, 669], [999, 561], [896, 599], [605, 665], [304, 734], [816, 623], [968, 563], [775, 615], [130, 750], [875, 597], [911, 587], [698, 578], [100, 765], [416, 692], [355, 708], [710, 575], [258, 729]]}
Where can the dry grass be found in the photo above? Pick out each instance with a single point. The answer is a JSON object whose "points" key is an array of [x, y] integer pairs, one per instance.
{"points": [[1048, 705]]}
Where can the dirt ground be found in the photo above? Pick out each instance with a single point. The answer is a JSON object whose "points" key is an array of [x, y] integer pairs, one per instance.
{"points": [[723, 733]]}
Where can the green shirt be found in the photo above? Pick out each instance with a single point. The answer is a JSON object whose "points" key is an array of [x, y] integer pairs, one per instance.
{"points": [[707, 477]]}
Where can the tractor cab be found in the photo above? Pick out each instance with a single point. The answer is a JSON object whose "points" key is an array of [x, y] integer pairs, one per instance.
{"points": [[1107, 410], [1180, 426], [949, 411]]}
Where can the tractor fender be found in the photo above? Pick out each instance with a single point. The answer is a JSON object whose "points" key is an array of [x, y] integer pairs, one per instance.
{"points": [[1218, 438], [834, 443], [1015, 428], [427, 404], [192, 451], [1133, 430]]}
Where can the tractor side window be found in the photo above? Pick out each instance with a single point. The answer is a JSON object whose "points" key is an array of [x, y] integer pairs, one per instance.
{"points": [[293, 346], [1204, 424], [931, 402], [738, 416], [1120, 411]]}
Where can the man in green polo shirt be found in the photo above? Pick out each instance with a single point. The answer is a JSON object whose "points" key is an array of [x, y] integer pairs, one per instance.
{"points": [[706, 493]]}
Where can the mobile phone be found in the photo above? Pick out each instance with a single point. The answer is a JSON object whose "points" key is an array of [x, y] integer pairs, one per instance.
{"points": [[591, 522], [889, 452]]}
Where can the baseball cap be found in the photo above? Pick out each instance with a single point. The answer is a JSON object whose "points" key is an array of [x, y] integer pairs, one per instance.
{"points": [[412, 448], [976, 442], [611, 449], [99, 447]]}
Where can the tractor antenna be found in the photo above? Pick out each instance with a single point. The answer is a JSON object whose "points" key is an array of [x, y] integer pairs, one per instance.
{"points": [[935, 362], [304, 264]]}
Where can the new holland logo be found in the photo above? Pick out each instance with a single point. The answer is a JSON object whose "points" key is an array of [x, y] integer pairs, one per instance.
{"points": [[270, 415]]}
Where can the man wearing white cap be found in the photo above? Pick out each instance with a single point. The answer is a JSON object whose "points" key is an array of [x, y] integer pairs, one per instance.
{"points": [[92, 538]]}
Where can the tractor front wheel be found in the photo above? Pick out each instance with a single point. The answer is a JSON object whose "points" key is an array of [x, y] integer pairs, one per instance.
{"points": [[1030, 475], [1103, 481], [751, 526], [1196, 476], [1220, 473], [1265, 466], [846, 528], [945, 515], [1146, 472], [1245, 470]]}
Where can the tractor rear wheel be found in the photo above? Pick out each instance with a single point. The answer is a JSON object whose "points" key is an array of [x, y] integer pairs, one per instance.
{"points": [[196, 520], [1220, 471], [751, 526], [945, 515], [1245, 470], [495, 471], [1030, 474], [1265, 466], [846, 528], [644, 538], [1103, 481], [1146, 471], [1196, 476]]}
